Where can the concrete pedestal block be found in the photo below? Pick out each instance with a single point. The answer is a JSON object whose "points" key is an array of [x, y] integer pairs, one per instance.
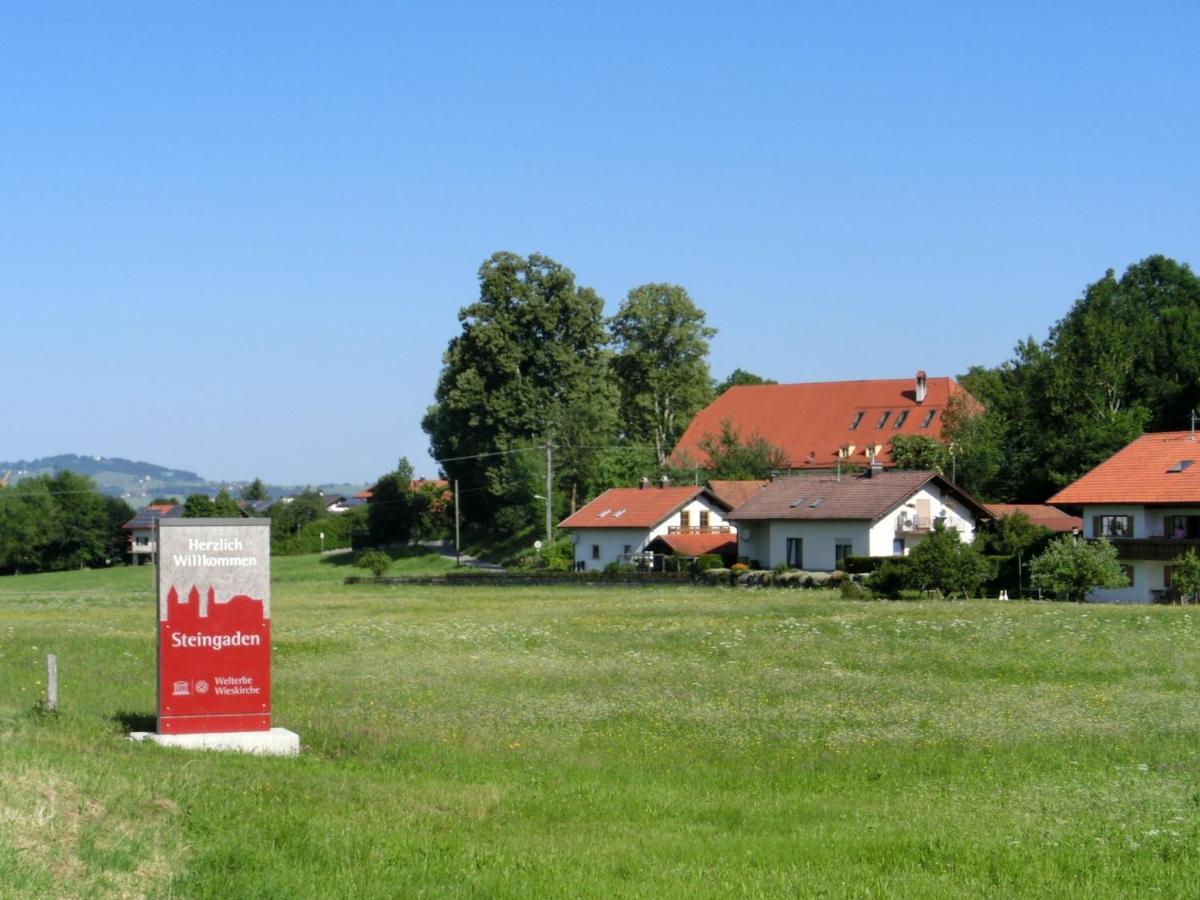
{"points": [[276, 742]]}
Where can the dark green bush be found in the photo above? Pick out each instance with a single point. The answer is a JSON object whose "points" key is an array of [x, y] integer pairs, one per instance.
{"points": [[893, 575], [863, 565], [709, 561], [375, 561]]}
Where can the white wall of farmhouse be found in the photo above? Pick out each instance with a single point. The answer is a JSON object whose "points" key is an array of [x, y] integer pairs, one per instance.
{"points": [[908, 524], [596, 548]]}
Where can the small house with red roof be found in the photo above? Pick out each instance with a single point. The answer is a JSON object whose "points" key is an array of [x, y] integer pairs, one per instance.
{"points": [[816, 522], [1145, 498], [821, 424], [620, 524]]}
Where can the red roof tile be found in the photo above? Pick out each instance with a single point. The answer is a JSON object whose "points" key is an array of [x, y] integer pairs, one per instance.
{"points": [[699, 544], [811, 421], [859, 497], [1039, 514], [735, 493], [1141, 472], [633, 507]]}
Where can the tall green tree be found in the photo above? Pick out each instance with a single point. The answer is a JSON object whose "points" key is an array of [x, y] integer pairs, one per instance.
{"points": [[199, 506], [661, 363], [1125, 357], [394, 508], [29, 521], [739, 377], [528, 368], [255, 491]]}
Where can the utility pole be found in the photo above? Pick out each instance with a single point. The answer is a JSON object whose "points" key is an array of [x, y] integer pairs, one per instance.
{"points": [[549, 482], [457, 545]]}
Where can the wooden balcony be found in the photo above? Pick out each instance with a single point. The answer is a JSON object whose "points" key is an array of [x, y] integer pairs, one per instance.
{"points": [[697, 529], [914, 524], [1161, 549]]}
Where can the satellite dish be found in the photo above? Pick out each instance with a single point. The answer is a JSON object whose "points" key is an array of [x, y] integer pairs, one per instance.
{"points": [[537, 545], [745, 532]]}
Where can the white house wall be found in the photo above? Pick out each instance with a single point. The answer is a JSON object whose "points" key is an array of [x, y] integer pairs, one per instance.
{"points": [[1148, 575], [767, 542]]}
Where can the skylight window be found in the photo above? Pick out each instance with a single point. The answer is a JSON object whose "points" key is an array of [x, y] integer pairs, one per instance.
{"points": [[883, 419], [858, 417], [900, 418], [817, 502], [799, 501], [618, 513], [603, 514], [929, 418], [1181, 466]]}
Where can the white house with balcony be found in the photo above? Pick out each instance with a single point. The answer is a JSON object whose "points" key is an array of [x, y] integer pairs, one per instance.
{"points": [[143, 530], [1145, 499], [814, 523], [618, 526]]}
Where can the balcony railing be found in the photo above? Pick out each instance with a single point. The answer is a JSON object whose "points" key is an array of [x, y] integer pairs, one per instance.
{"points": [[1162, 549], [914, 524], [699, 529]]}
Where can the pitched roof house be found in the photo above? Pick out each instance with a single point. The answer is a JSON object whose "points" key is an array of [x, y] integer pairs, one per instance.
{"points": [[1145, 498], [142, 528], [618, 526], [1039, 514], [812, 422], [816, 522]]}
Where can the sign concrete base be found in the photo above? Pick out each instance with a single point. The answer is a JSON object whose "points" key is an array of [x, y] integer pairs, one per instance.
{"points": [[276, 742]]}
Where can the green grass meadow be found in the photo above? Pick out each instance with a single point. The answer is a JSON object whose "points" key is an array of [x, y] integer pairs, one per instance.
{"points": [[611, 742]]}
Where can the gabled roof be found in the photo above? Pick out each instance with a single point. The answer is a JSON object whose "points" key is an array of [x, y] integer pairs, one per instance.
{"points": [[698, 544], [636, 507], [1163, 467], [735, 493], [148, 515], [809, 422], [859, 497], [1039, 514]]}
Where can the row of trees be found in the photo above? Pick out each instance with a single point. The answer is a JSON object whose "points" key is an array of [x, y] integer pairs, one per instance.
{"points": [[53, 523], [537, 364]]}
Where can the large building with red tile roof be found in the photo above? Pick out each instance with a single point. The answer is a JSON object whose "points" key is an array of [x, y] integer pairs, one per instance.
{"points": [[1145, 498], [812, 422], [618, 526]]}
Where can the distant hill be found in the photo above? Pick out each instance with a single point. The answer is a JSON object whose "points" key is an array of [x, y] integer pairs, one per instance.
{"points": [[140, 482]]}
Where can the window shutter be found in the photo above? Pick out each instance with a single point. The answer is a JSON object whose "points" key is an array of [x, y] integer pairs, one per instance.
{"points": [[1095, 526]]}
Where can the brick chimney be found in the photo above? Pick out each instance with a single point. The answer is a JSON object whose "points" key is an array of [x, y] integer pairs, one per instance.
{"points": [[921, 386], [664, 481], [644, 483]]}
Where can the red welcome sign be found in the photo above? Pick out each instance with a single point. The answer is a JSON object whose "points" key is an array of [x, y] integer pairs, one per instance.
{"points": [[214, 627]]}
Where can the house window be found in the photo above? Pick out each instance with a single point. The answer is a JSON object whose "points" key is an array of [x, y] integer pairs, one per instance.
{"points": [[883, 419], [595, 551], [1112, 526], [628, 549], [795, 553], [685, 519], [858, 417], [898, 547], [1181, 527], [901, 418], [928, 418], [842, 548], [703, 518]]}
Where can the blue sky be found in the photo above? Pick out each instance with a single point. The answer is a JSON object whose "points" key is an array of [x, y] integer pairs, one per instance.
{"points": [[234, 238]]}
